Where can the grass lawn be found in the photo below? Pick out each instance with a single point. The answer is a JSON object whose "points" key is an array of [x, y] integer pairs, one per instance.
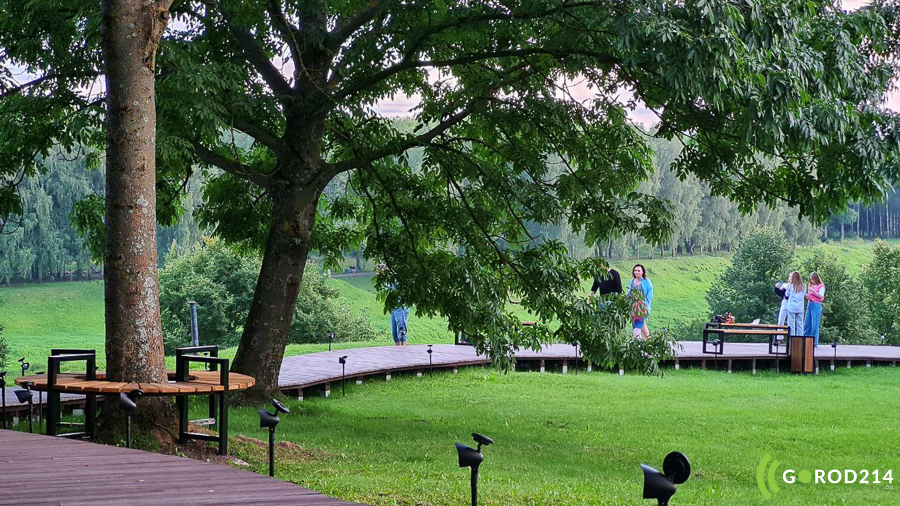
{"points": [[578, 440]]}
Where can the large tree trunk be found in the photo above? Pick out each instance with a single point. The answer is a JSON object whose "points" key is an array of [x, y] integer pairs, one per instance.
{"points": [[265, 335], [131, 32]]}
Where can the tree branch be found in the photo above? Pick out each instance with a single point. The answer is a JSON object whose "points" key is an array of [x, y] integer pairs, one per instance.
{"points": [[388, 72], [39, 80], [345, 30], [412, 142], [255, 55], [230, 166]]}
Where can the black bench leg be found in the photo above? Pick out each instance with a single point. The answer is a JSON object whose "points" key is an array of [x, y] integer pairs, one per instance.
{"points": [[223, 425], [182, 403]]}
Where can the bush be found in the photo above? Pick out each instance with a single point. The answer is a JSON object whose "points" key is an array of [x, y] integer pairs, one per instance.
{"points": [[745, 288], [881, 279], [844, 317], [612, 344], [222, 281]]}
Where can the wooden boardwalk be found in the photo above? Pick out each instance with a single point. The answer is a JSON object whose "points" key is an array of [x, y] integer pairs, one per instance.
{"points": [[322, 369], [44, 470]]}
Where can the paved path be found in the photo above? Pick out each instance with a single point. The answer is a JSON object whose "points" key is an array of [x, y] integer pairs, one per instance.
{"points": [[45, 470], [301, 371]]}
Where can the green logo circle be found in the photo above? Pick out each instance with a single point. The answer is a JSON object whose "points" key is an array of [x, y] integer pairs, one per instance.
{"points": [[804, 476]]}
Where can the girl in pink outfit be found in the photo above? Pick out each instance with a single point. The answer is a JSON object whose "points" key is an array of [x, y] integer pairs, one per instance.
{"points": [[813, 317]]}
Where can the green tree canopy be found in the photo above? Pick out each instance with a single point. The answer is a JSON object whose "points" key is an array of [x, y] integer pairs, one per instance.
{"points": [[773, 101]]}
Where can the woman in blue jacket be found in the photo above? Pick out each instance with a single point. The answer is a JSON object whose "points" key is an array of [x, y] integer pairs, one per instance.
{"points": [[639, 274], [795, 295]]}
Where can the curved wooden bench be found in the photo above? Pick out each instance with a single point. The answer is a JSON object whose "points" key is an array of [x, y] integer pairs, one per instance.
{"points": [[199, 383]]}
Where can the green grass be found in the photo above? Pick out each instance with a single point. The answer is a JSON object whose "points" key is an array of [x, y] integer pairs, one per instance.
{"points": [[578, 440]]}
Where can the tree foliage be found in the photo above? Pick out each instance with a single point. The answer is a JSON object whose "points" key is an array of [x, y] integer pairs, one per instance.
{"points": [[745, 288], [773, 101], [880, 279]]}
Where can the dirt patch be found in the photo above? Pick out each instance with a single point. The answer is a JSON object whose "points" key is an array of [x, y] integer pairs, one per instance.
{"points": [[284, 449]]}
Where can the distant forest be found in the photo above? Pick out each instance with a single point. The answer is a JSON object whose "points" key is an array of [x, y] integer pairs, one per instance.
{"points": [[42, 245]]}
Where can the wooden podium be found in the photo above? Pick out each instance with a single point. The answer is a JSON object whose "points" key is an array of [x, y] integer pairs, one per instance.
{"points": [[802, 354]]}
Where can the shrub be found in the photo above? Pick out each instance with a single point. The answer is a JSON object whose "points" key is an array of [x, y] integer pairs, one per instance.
{"points": [[222, 281], [745, 288], [882, 291], [613, 345]]}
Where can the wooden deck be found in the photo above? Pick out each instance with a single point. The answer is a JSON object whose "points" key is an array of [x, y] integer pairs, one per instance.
{"points": [[43, 470], [199, 383], [322, 369]]}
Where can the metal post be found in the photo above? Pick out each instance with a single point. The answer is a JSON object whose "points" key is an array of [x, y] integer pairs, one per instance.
{"points": [[272, 451], [474, 485], [430, 366], [343, 379], [195, 333], [576, 359], [30, 411], [128, 429], [3, 388]]}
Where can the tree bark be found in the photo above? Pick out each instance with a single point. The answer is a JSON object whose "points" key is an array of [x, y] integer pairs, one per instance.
{"points": [[131, 31], [265, 335]]}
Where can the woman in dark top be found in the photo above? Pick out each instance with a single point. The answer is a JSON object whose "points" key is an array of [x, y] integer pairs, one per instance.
{"points": [[610, 284]]}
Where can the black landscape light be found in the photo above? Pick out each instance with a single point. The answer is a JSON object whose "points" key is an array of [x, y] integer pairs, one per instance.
{"points": [[430, 367], [270, 421], [3, 391], [661, 485], [330, 340], [834, 360], [576, 359], [472, 458], [27, 396], [343, 362], [882, 339], [128, 402], [24, 365]]}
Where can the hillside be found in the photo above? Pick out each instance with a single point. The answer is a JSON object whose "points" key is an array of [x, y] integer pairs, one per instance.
{"points": [[38, 317]]}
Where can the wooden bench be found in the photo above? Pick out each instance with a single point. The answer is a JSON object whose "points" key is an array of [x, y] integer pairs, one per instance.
{"points": [[779, 335], [214, 382]]}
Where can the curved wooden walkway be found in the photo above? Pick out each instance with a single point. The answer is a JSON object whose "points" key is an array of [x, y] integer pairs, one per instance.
{"points": [[44, 470], [321, 369]]}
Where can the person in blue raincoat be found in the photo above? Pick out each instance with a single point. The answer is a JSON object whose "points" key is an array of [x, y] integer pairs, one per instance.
{"points": [[399, 319], [639, 279]]}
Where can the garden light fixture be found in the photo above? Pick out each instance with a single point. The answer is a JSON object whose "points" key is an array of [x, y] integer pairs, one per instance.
{"points": [[270, 421], [661, 485], [27, 396], [472, 458], [343, 362], [128, 402]]}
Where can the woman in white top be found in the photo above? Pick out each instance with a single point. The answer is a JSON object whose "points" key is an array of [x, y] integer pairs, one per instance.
{"points": [[795, 294]]}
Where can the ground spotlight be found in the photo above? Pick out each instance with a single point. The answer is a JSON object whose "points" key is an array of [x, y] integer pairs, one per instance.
{"points": [[343, 362], [270, 421], [27, 396], [430, 367], [472, 458], [661, 485], [128, 402], [24, 365], [330, 340]]}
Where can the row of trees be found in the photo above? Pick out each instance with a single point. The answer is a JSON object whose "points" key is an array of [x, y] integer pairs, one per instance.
{"points": [[44, 244]]}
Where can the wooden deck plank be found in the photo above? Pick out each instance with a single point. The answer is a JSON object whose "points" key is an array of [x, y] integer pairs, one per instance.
{"points": [[44, 470]]}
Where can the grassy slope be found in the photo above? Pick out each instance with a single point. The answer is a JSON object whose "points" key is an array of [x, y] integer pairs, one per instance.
{"points": [[578, 440], [38, 317]]}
